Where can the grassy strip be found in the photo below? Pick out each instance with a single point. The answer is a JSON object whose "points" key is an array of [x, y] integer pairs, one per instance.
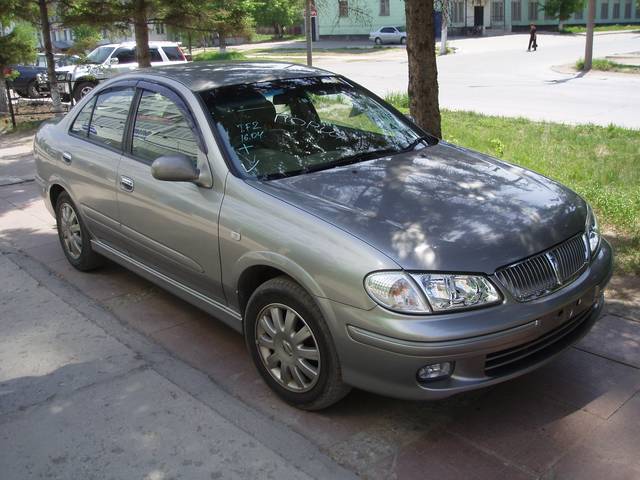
{"points": [[600, 163], [219, 56], [600, 28], [608, 66]]}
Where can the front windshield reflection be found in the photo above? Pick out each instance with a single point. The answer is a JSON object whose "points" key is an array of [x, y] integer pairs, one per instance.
{"points": [[283, 128]]}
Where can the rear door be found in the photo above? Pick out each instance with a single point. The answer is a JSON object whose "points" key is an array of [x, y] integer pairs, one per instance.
{"points": [[91, 156], [170, 226]]}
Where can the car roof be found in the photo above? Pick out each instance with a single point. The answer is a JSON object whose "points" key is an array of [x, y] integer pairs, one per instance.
{"points": [[198, 76], [153, 43]]}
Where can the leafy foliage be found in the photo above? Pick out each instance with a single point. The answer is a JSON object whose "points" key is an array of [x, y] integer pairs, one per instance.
{"points": [[85, 39], [278, 14], [18, 46], [562, 9]]}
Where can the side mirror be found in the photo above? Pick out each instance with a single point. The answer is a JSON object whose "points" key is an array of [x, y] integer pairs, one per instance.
{"points": [[114, 61], [174, 168]]}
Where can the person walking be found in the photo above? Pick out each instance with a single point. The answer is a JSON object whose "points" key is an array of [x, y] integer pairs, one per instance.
{"points": [[533, 38]]}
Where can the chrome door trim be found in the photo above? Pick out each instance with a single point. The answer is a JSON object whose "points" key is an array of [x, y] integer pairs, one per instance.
{"points": [[224, 313]]}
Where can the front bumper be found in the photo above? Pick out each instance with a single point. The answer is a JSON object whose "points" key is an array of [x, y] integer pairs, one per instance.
{"points": [[381, 351]]}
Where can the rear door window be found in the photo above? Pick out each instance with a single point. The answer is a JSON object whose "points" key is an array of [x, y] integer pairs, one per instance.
{"points": [[174, 54], [155, 55], [80, 125], [110, 117]]}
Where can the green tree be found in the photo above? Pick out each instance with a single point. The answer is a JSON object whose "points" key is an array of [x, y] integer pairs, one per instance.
{"points": [[17, 46], [278, 14], [562, 9], [85, 39]]}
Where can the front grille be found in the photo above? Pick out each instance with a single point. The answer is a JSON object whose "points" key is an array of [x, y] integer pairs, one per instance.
{"points": [[547, 271], [506, 361]]}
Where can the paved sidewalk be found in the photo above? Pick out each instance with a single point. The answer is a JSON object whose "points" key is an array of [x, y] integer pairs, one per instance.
{"points": [[576, 418]]}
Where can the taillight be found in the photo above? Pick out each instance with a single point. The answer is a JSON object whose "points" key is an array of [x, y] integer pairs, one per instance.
{"points": [[181, 54]]}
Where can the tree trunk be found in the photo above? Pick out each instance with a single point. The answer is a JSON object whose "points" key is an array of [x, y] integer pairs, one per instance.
{"points": [[141, 30], [423, 71], [48, 53], [222, 42], [307, 28], [588, 49], [4, 95], [443, 31], [560, 25], [189, 41]]}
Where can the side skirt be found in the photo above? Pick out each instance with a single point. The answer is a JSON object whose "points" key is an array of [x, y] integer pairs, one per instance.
{"points": [[218, 310]]}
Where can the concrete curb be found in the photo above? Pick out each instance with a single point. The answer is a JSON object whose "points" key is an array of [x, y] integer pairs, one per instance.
{"points": [[291, 446]]}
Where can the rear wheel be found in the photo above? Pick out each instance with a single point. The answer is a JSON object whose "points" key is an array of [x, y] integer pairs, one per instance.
{"points": [[291, 345], [74, 236], [403, 40]]}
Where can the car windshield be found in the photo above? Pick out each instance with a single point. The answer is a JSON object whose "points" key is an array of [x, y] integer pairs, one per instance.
{"points": [[99, 55], [288, 127], [401, 29]]}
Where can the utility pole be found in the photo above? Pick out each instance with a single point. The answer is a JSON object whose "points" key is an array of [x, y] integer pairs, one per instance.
{"points": [[588, 50], [307, 21]]}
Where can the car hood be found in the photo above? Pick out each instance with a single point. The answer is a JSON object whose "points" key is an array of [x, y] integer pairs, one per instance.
{"points": [[441, 208]]}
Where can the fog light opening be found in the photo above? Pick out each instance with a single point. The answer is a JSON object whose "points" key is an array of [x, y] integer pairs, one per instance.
{"points": [[435, 371]]}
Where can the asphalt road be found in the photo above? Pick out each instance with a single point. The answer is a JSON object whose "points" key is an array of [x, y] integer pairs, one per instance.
{"points": [[496, 75]]}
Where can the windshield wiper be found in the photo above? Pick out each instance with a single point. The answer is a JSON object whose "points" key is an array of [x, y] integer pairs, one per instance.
{"points": [[414, 144]]}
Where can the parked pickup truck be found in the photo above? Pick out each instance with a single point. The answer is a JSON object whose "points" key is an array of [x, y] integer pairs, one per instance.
{"points": [[108, 60], [31, 83]]}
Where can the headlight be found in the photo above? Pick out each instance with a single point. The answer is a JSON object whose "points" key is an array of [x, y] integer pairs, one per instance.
{"points": [[592, 231], [444, 292], [452, 291], [395, 291]]}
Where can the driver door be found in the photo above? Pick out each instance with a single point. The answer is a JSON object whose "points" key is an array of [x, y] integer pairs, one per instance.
{"points": [[172, 227]]}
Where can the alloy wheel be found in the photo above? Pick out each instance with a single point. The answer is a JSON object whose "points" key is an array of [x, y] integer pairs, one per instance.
{"points": [[70, 231], [287, 347]]}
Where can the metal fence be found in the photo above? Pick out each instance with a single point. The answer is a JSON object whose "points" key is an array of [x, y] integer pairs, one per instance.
{"points": [[23, 108]]}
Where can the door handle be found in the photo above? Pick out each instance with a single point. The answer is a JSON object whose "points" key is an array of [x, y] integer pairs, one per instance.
{"points": [[66, 157], [126, 184]]}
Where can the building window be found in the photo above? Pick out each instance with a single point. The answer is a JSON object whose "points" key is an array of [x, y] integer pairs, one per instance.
{"points": [[627, 9], [579, 15], [616, 10], [533, 10], [516, 11], [457, 15], [384, 8], [343, 8], [160, 28], [604, 10], [497, 12]]}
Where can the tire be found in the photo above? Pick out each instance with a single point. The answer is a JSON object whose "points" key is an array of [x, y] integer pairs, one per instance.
{"points": [[403, 40], [32, 90], [82, 89], [65, 97], [298, 342], [378, 41], [74, 236]]}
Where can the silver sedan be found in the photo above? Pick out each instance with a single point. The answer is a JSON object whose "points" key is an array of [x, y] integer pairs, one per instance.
{"points": [[348, 246]]}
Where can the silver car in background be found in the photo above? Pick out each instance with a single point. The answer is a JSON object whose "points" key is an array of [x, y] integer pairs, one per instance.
{"points": [[348, 246], [389, 35]]}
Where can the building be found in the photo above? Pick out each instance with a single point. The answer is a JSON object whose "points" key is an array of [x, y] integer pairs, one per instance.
{"points": [[356, 18]]}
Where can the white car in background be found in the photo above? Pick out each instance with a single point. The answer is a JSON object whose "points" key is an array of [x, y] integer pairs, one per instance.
{"points": [[389, 35], [108, 60]]}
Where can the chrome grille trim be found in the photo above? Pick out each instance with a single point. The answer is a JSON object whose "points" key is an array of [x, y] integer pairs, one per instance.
{"points": [[546, 272]]}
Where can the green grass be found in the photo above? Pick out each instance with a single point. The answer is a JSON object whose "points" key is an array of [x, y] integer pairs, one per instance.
{"points": [[219, 56], [600, 28], [600, 163], [265, 37], [608, 66]]}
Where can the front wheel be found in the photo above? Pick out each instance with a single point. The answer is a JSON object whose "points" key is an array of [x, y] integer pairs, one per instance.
{"points": [[82, 89], [378, 41], [291, 345]]}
